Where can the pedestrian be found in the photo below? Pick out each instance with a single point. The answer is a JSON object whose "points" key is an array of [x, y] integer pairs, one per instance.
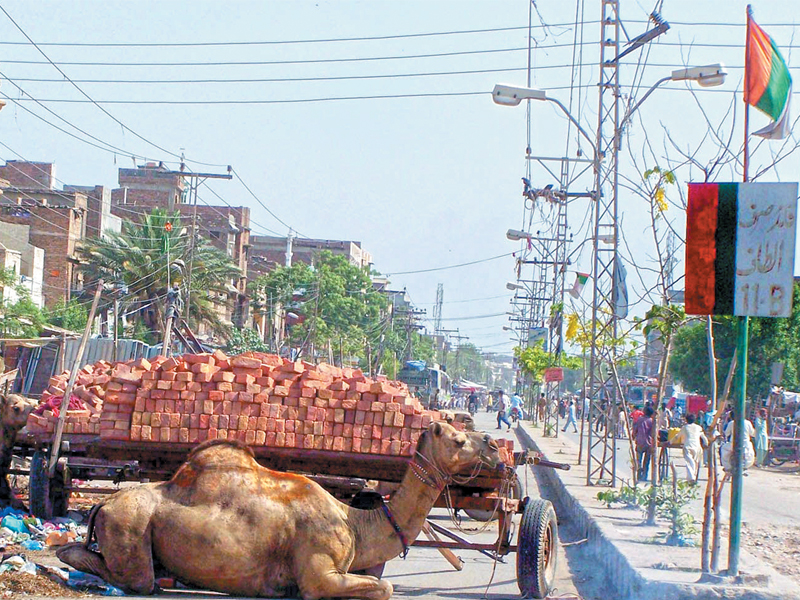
{"points": [[693, 440], [502, 407], [762, 438], [637, 414], [664, 417], [571, 417], [542, 406], [643, 437], [516, 405]]}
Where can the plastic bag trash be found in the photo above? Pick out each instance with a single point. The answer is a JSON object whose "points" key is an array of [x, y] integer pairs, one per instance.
{"points": [[11, 511], [60, 538], [84, 582], [14, 523], [13, 563], [32, 545]]}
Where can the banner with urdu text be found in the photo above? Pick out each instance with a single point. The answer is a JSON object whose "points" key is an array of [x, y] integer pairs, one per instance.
{"points": [[740, 243]]}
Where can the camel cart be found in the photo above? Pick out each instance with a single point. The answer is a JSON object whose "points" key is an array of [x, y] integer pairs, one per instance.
{"points": [[88, 465]]}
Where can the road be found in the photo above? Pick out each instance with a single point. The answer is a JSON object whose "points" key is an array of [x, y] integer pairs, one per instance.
{"points": [[425, 574], [769, 495]]}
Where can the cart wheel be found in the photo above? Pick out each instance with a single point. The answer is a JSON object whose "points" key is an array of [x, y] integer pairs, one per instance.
{"points": [[663, 464], [517, 493], [39, 487], [537, 550], [48, 498]]}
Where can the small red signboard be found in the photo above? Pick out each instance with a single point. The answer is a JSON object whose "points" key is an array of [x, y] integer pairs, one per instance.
{"points": [[553, 374]]}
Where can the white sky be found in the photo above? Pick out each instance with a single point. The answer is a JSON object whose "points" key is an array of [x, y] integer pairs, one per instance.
{"points": [[421, 182]]}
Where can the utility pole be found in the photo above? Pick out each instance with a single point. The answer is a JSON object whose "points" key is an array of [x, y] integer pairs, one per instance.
{"points": [[412, 314], [195, 180], [173, 308], [602, 448], [437, 309], [288, 257]]}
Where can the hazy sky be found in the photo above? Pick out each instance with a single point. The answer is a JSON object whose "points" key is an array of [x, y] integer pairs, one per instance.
{"points": [[422, 182]]}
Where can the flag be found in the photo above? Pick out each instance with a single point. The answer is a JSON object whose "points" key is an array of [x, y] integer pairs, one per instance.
{"points": [[740, 240], [768, 84], [620, 288], [577, 287]]}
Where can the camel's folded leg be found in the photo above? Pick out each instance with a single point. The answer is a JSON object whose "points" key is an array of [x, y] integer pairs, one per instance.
{"points": [[79, 557], [320, 579]]}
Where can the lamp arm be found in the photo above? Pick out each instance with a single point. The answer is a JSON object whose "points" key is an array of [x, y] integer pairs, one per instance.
{"points": [[578, 125], [636, 106]]}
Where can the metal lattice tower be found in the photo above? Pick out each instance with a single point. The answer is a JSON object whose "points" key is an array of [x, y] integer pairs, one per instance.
{"points": [[602, 454], [437, 309]]}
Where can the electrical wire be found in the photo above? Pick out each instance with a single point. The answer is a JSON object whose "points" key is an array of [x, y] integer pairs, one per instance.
{"points": [[90, 99], [278, 42], [466, 264]]}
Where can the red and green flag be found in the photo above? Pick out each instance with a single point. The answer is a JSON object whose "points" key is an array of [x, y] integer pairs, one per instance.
{"points": [[768, 84]]}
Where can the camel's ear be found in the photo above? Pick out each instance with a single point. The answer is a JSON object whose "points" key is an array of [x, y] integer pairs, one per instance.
{"points": [[435, 428]]}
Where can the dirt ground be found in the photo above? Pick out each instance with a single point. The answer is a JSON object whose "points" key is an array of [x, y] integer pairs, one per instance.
{"points": [[779, 546], [15, 585]]}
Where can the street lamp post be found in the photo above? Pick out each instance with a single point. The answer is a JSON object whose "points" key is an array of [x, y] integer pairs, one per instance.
{"points": [[604, 300]]}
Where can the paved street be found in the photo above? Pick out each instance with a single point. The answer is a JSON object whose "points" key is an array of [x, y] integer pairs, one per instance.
{"points": [[770, 495]]}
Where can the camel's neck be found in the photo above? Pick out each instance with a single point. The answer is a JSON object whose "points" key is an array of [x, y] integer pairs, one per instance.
{"points": [[376, 539]]}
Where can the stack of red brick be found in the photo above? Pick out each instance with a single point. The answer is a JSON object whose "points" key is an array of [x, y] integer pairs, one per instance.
{"points": [[259, 399]]}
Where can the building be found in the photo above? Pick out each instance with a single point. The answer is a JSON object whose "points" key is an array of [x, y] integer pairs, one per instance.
{"points": [[270, 251], [55, 222], [152, 186], [99, 218], [149, 186], [31, 268]]}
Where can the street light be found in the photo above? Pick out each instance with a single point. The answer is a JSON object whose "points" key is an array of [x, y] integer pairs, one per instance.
{"points": [[515, 235], [514, 286]]}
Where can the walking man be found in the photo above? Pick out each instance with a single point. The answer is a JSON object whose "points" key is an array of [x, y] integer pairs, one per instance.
{"points": [[571, 417], [693, 439], [643, 436], [502, 408]]}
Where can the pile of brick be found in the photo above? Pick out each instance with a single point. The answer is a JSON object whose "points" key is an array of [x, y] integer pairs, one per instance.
{"points": [[260, 399]]}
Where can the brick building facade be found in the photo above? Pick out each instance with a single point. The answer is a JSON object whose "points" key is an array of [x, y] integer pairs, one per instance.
{"points": [[267, 251], [57, 222]]}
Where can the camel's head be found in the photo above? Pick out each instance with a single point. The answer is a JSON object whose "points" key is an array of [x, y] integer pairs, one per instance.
{"points": [[14, 410], [454, 451]]}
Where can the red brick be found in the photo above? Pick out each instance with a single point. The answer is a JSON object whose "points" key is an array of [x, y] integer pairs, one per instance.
{"points": [[194, 435], [271, 438], [223, 376], [224, 421], [244, 362], [290, 440], [212, 433]]}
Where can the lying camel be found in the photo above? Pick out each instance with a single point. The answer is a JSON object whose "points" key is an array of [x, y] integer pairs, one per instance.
{"points": [[14, 411], [225, 523]]}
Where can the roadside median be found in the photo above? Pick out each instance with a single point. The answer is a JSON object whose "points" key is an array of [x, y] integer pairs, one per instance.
{"points": [[637, 564]]}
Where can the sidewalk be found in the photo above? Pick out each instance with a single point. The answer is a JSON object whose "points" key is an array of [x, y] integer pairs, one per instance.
{"points": [[637, 565]]}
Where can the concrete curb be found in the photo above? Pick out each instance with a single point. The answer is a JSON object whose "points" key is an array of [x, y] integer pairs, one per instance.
{"points": [[628, 582]]}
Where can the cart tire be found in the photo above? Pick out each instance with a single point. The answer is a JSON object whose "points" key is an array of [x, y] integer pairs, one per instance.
{"points": [[537, 550], [517, 493], [39, 487], [777, 460]]}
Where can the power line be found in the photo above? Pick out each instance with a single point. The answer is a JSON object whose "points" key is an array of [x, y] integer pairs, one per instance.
{"points": [[272, 42], [466, 264], [250, 63], [257, 199], [90, 99], [260, 101]]}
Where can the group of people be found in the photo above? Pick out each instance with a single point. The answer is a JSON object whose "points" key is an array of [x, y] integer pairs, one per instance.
{"points": [[695, 436]]}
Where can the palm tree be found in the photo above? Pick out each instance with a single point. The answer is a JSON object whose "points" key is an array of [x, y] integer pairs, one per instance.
{"points": [[151, 255]]}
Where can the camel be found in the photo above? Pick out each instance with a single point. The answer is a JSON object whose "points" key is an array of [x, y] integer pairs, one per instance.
{"points": [[14, 411], [225, 523]]}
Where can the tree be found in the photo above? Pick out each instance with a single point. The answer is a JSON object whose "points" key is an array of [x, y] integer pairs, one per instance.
{"points": [[70, 315], [21, 318], [138, 257], [332, 304], [467, 362], [771, 340]]}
